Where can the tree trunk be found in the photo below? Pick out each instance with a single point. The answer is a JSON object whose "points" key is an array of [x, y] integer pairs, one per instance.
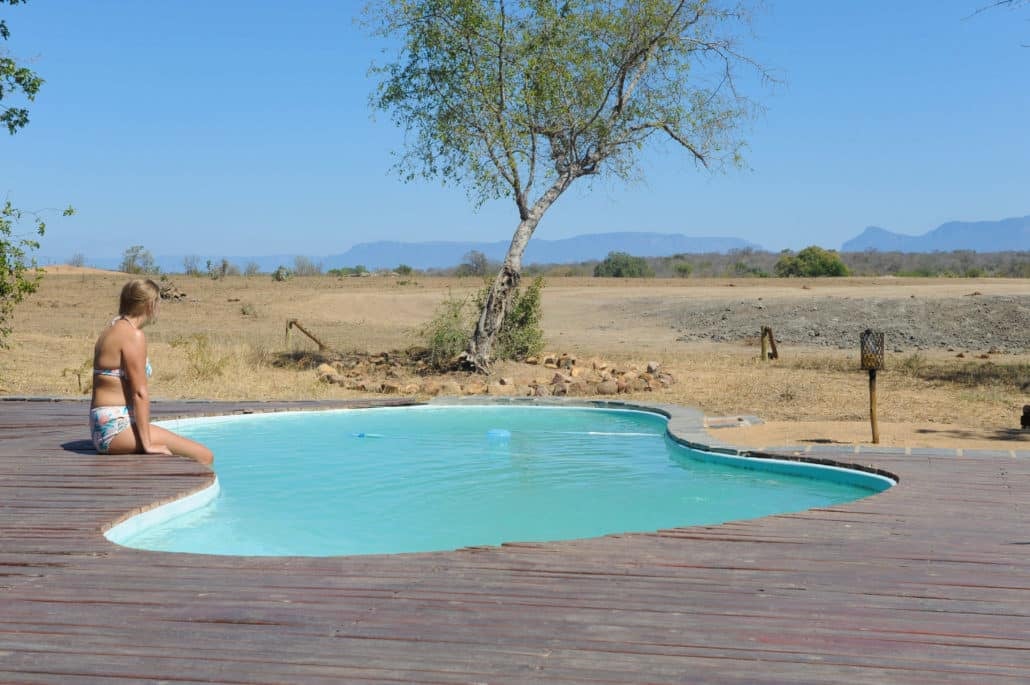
{"points": [[480, 348], [479, 353]]}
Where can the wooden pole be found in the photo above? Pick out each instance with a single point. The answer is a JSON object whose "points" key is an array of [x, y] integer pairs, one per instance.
{"points": [[872, 406], [294, 323], [765, 348]]}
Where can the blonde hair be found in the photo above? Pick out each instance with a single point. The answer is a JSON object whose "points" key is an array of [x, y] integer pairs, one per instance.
{"points": [[139, 298]]}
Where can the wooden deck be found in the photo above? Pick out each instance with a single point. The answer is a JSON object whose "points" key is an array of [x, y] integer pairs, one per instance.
{"points": [[928, 582]]}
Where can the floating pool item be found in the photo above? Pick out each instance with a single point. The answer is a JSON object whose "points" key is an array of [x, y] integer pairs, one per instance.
{"points": [[498, 435]]}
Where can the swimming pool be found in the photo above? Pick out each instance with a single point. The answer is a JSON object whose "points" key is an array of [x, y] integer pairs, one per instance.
{"points": [[427, 478]]}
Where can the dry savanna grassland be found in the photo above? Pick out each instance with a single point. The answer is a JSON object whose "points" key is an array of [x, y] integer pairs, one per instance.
{"points": [[226, 339]]}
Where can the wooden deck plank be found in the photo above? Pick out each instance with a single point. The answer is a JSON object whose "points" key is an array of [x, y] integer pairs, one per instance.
{"points": [[927, 582]]}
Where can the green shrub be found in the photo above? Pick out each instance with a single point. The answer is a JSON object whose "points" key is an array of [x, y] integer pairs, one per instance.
{"points": [[281, 274], [202, 361], [683, 269], [474, 263], [447, 334], [403, 270], [811, 261], [623, 265], [742, 268], [348, 271], [138, 260], [302, 266], [520, 335], [221, 269]]}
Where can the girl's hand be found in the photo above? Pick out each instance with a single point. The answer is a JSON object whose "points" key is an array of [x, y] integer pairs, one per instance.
{"points": [[158, 449]]}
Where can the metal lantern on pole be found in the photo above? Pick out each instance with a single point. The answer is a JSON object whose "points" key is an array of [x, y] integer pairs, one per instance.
{"points": [[872, 361]]}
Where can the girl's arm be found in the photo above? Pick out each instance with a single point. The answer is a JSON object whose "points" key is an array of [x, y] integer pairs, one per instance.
{"points": [[134, 366]]}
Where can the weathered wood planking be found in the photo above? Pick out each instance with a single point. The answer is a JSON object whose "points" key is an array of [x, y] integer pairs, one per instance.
{"points": [[928, 582]]}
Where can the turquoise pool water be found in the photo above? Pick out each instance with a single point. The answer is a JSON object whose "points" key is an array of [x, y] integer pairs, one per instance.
{"points": [[437, 478]]}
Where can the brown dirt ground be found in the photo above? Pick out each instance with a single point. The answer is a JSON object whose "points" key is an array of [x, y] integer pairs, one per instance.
{"points": [[223, 341]]}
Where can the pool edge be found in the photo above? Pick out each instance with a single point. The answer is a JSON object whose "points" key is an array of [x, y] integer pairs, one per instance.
{"points": [[685, 426]]}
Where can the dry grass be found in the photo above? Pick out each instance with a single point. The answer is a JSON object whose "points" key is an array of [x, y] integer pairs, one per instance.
{"points": [[224, 339]]}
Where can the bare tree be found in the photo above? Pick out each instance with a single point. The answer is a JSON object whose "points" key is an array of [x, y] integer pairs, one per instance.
{"points": [[521, 98]]}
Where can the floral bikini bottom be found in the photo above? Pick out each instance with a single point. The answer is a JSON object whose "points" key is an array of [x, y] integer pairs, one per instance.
{"points": [[107, 422]]}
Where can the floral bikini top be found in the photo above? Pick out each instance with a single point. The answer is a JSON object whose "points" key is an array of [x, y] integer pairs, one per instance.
{"points": [[118, 373]]}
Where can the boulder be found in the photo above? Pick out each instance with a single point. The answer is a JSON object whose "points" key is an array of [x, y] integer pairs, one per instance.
{"points": [[430, 387], [652, 367], [608, 387], [475, 387], [581, 388], [636, 383], [450, 388]]}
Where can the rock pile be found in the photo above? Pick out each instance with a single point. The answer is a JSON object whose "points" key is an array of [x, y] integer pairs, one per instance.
{"points": [[407, 373], [169, 291]]}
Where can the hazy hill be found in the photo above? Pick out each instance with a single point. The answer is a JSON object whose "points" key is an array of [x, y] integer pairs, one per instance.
{"points": [[443, 254], [438, 254], [981, 236]]}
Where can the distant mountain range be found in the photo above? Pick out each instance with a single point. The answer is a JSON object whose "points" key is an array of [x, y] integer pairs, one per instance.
{"points": [[442, 255], [385, 254], [981, 236]]}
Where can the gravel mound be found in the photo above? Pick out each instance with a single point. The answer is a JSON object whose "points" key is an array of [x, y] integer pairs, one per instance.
{"points": [[973, 322]]}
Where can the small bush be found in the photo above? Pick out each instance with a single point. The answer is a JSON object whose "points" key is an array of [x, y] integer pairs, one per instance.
{"points": [[348, 271], [252, 269], [281, 274], [138, 260], [447, 334], [913, 365], [811, 261], [520, 335], [191, 265], [221, 269], [623, 265], [302, 266], [403, 270], [200, 357], [683, 269], [77, 259]]}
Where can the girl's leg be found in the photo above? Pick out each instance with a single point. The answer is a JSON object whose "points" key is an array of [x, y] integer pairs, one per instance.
{"points": [[182, 445], [127, 443]]}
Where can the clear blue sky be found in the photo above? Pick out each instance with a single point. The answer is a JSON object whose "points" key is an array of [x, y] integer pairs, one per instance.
{"points": [[242, 128]]}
